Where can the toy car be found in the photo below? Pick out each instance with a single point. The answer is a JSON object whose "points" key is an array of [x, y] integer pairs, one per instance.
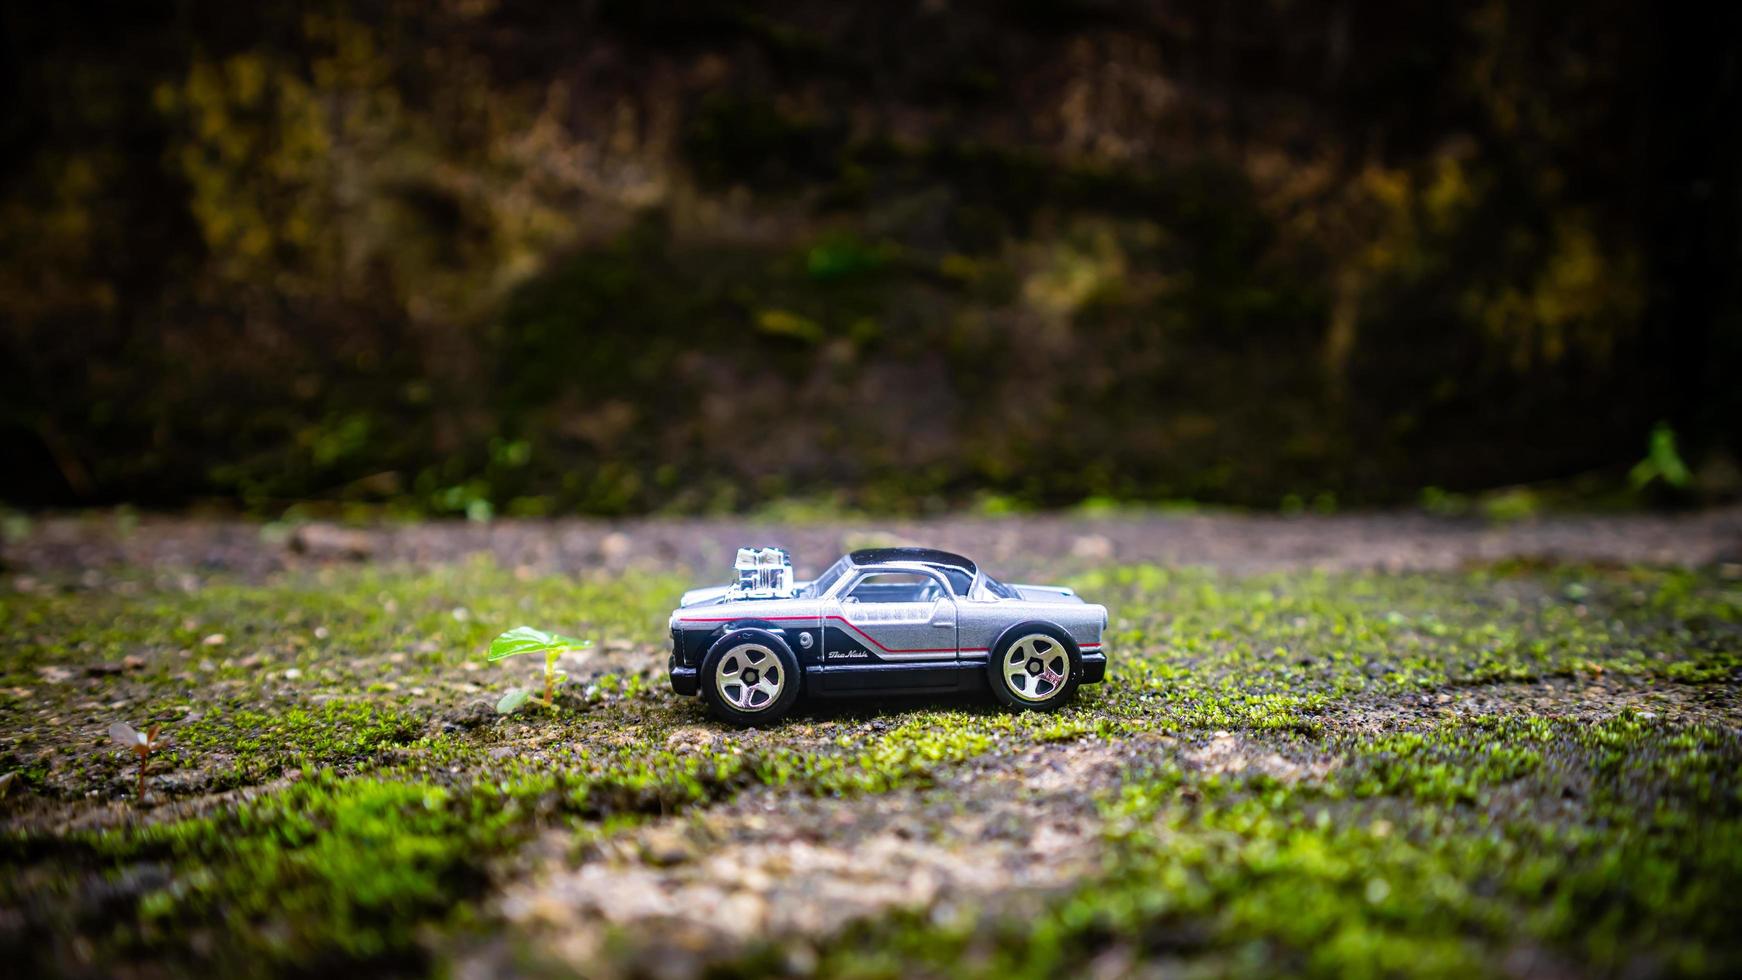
{"points": [[880, 621]]}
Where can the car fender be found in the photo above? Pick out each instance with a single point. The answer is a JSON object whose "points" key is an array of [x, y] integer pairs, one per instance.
{"points": [[1008, 631]]}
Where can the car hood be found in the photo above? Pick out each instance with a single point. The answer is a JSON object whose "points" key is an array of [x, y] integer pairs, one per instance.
{"points": [[716, 593], [704, 596]]}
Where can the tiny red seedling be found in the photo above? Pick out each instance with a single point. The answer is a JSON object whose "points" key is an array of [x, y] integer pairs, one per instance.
{"points": [[142, 743]]}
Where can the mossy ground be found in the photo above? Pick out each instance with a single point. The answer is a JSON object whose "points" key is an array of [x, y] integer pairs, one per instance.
{"points": [[1521, 767]]}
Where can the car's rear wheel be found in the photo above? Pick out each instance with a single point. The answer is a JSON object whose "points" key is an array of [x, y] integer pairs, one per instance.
{"points": [[1035, 667], [750, 677]]}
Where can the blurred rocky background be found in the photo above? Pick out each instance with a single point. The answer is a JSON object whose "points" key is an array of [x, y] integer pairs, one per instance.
{"points": [[503, 257]]}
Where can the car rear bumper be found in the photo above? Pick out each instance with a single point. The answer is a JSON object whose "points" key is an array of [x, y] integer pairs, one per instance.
{"points": [[1094, 667]]}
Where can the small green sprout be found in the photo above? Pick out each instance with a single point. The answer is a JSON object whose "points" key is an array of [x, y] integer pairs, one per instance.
{"points": [[1661, 462], [142, 744], [525, 639]]}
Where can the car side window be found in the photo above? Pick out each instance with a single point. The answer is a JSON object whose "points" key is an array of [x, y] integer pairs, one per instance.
{"points": [[960, 582], [895, 587]]}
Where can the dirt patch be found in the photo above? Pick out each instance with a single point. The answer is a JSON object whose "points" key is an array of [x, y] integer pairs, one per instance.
{"points": [[1578, 699], [1231, 755], [87, 547], [794, 870]]}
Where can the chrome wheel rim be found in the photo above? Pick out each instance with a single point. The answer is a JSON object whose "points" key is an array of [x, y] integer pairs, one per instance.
{"points": [[749, 677], [1036, 667]]}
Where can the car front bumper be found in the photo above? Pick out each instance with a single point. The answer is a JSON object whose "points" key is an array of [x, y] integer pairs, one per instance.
{"points": [[684, 680]]}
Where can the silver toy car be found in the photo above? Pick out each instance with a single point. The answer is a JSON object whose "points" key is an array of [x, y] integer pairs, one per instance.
{"points": [[880, 621]]}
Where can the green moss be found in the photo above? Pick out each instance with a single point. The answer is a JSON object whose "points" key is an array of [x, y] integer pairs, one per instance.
{"points": [[1338, 878], [326, 869], [1407, 834], [1452, 763], [336, 869], [1273, 650], [264, 744]]}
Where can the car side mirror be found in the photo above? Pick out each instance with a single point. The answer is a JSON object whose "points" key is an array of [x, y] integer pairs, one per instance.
{"points": [[849, 598]]}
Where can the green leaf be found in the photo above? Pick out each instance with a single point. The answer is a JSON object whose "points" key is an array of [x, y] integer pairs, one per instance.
{"points": [[525, 639], [512, 700]]}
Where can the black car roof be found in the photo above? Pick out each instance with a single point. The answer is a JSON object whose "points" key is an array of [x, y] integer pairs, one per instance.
{"points": [[930, 556]]}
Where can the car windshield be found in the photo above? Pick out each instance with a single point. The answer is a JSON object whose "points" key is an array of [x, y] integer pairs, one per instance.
{"points": [[826, 580], [982, 586], [991, 588]]}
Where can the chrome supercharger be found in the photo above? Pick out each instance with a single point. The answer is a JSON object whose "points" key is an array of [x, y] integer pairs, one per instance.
{"points": [[763, 573]]}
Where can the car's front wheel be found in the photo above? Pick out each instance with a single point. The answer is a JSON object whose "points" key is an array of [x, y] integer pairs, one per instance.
{"points": [[750, 677], [1035, 667]]}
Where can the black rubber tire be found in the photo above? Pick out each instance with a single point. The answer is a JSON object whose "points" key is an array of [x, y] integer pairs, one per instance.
{"points": [[769, 713], [1001, 687]]}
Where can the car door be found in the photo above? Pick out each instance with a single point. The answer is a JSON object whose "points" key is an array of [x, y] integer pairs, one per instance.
{"points": [[891, 616]]}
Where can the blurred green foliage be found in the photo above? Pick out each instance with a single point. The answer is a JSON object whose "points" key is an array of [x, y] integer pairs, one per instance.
{"points": [[498, 258]]}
